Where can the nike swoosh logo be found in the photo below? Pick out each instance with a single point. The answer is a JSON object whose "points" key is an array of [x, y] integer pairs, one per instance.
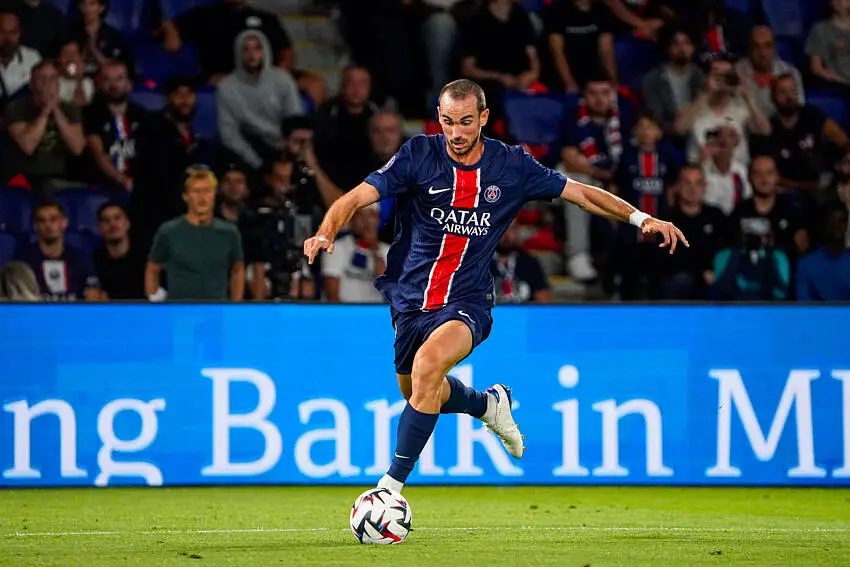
{"points": [[401, 456], [459, 312], [433, 191]]}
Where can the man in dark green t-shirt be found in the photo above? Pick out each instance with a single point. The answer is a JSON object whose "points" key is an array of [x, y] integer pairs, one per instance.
{"points": [[44, 132], [201, 255]]}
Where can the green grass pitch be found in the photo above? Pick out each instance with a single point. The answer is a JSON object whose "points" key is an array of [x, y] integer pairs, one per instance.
{"points": [[563, 526]]}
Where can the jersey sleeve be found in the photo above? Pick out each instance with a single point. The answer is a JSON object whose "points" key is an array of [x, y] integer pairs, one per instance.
{"points": [[541, 182], [396, 175]]}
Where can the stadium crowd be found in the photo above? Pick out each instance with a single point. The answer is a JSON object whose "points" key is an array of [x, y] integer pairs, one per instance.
{"points": [[725, 119]]}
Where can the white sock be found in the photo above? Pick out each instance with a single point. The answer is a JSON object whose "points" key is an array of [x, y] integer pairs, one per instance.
{"points": [[492, 404], [390, 483]]}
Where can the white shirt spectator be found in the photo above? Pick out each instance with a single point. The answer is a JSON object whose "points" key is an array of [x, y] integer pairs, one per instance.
{"points": [[16, 75], [68, 89], [760, 86], [355, 268], [725, 190], [736, 114]]}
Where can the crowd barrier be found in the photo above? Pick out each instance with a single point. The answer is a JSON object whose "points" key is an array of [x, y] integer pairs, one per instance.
{"points": [[299, 394]]}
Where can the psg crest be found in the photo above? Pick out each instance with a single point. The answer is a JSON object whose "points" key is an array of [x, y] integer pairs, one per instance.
{"points": [[492, 194], [387, 165]]}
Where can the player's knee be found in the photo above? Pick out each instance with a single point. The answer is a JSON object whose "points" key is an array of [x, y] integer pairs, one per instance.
{"points": [[428, 370]]}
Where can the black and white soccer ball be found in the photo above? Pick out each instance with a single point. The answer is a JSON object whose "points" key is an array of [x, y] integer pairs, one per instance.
{"points": [[380, 517]]}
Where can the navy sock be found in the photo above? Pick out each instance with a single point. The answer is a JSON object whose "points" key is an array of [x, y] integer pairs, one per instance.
{"points": [[464, 399], [414, 430]]}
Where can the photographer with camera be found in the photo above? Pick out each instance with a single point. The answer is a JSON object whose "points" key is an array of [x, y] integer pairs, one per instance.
{"points": [[724, 102], [298, 135], [753, 270]]}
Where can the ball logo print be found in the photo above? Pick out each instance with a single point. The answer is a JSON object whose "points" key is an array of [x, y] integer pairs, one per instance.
{"points": [[492, 193], [380, 517]]}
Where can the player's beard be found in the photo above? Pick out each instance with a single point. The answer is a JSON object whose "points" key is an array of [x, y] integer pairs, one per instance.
{"points": [[468, 148]]}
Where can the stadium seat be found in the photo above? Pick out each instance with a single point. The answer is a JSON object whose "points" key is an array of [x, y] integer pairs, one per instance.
{"points": [[534, 119], [15, 209], [149, 99], [791, 52], [84, 241], [173, 8], [127, 16], [635, 58], [829, 103], [8, 245], [743, 6], [156, 65], [65, 6], [206, 117], [82, 204], [785, 18]]}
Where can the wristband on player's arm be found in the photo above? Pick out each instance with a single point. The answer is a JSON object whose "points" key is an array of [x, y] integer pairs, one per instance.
{"points": [[637, 218]]}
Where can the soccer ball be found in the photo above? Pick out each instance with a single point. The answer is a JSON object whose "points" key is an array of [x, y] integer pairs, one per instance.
{"points": [[380, 517]]}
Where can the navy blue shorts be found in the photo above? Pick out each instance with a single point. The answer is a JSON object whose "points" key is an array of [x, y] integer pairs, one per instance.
{"points": [[412, 329]]}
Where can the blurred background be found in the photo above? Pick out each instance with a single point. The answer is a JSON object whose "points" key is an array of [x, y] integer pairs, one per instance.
{"points": [[727, 118]]}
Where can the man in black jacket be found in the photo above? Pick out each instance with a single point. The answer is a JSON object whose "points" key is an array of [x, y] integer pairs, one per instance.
{"points": [[165, 146]]}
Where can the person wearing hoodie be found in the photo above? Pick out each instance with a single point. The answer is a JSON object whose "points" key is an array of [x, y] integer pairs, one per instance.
{"points": [[252, 102]]}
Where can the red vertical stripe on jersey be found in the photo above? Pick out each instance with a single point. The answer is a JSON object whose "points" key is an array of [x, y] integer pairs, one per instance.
{"points": [[648, 168], [453, 247]]}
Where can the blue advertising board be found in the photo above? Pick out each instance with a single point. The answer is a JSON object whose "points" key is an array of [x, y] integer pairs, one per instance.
{"points": [[299, 394]]}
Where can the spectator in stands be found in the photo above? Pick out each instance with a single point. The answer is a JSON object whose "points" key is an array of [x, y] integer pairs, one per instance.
{"points": [[111, 125], [759, 69], [201, 255], [342, 129], [723, 102], [42, 26], [801, 135], [64, 273], [232, 194], [166, 145], [827, 47], [500, 53], [44, 130], [358, 258], [119, 263], [298, 147], [100, 41], [580, 41], [74, 87], [674, 84], [840, 190], [644, 177], [18, 283], [721, 30], [385, 139], [439, 35], [16, 60], [253, 101], [727, 180], [689, 274], [518, 276], [787, 229], [274, 228], [824, 275], [592, 147], [643, 18], [753, 269]]}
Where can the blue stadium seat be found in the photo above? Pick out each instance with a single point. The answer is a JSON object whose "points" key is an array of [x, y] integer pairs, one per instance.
{"points": [[791, 52], [831, 104], [635, 57], [155, 64], [127, 16], [85, 241], [535, 118], [15, 209], [535, 6], [82, 205], [65, 6], [206, 117], [151, 100], [743, 6], [8, 245], [173, 8], [785, 18]]}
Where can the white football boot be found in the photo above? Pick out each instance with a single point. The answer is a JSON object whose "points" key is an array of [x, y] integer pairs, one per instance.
{"points": [[500, 421]]}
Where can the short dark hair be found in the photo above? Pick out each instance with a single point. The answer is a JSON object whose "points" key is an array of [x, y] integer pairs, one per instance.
{"points": [[175, 82], [109, 205], [42, 64], [692, 166], [48, 204], [597, 76], [833, 206], [781, 77], [294, 123], [647, 114], [669, 33], [462, 88]]}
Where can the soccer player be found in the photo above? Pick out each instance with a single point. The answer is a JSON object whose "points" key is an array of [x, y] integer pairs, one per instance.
{"points": [[456, 195]]}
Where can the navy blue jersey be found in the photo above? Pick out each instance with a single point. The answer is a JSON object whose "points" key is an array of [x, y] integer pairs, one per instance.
{"points": [[450, 218], [644, 179], [61, 279]]}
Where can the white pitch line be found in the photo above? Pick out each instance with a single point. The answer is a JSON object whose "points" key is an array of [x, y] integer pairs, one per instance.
{"points": [[574, 529]]}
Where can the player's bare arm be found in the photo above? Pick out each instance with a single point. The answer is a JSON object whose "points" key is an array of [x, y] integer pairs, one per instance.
{"points": [[337, 217], [600, 202]]}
